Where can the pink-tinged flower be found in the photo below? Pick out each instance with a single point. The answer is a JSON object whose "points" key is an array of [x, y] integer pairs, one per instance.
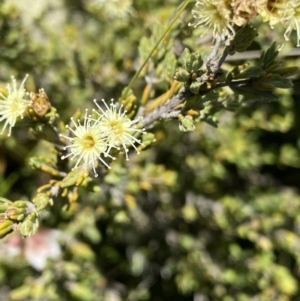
{"points": [[36, 249]]}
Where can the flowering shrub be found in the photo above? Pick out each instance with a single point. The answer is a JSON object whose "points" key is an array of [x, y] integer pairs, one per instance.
{"points": [[180, 179]]}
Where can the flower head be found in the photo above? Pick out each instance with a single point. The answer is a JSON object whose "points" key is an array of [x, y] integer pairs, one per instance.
{"points": [[286, 12], [215, 14], [13, 105], [120, 131], [274, 11], [87, 145], [243, 11], [293, 23]]}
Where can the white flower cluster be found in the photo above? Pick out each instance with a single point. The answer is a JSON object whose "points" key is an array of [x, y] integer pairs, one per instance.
{"points": [[285, 12], [13, 104], [94, 138], [222, 15], [213, 14]]}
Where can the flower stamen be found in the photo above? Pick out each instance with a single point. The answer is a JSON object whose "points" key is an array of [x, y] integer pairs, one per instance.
{"points": [[13, 105], [87, 145], [119, 130]]}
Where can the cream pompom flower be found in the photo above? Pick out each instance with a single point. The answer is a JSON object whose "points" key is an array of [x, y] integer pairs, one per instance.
{"points": [[215, 15], [119, 129], [273, 11], [286, 12], [292, 22], [13, 105], [87, 145]]}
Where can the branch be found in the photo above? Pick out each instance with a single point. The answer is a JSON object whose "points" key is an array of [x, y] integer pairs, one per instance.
{"points": [[213, 65], [165, 110]]}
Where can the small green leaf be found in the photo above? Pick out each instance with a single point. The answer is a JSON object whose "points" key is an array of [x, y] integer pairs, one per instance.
{"points": [[268, 57], [186, 123], [41, 200], [250, 72], [195, 87], [30, 225], [182, 75], [74, 177], [278, 81], [244, 38]]}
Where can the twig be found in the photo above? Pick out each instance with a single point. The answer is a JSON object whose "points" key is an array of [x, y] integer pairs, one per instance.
{"points": [[166, 110], [213, 64]]}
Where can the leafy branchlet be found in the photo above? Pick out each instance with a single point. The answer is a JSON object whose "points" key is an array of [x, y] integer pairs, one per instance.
{"points": [[195, 88]]}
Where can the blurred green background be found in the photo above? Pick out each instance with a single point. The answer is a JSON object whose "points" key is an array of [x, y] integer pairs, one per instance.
{"points": [[213, 214]]}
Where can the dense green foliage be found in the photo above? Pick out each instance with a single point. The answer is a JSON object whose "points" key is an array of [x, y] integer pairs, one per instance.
{"points": [[208, 214]]}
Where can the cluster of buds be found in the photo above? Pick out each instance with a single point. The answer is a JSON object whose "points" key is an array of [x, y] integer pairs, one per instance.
{"points": [[106, 130], [18, 215], [21, 215], [191, 67]]}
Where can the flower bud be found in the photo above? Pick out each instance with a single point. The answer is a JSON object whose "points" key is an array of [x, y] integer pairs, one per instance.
{"points": [[182, 75]]}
